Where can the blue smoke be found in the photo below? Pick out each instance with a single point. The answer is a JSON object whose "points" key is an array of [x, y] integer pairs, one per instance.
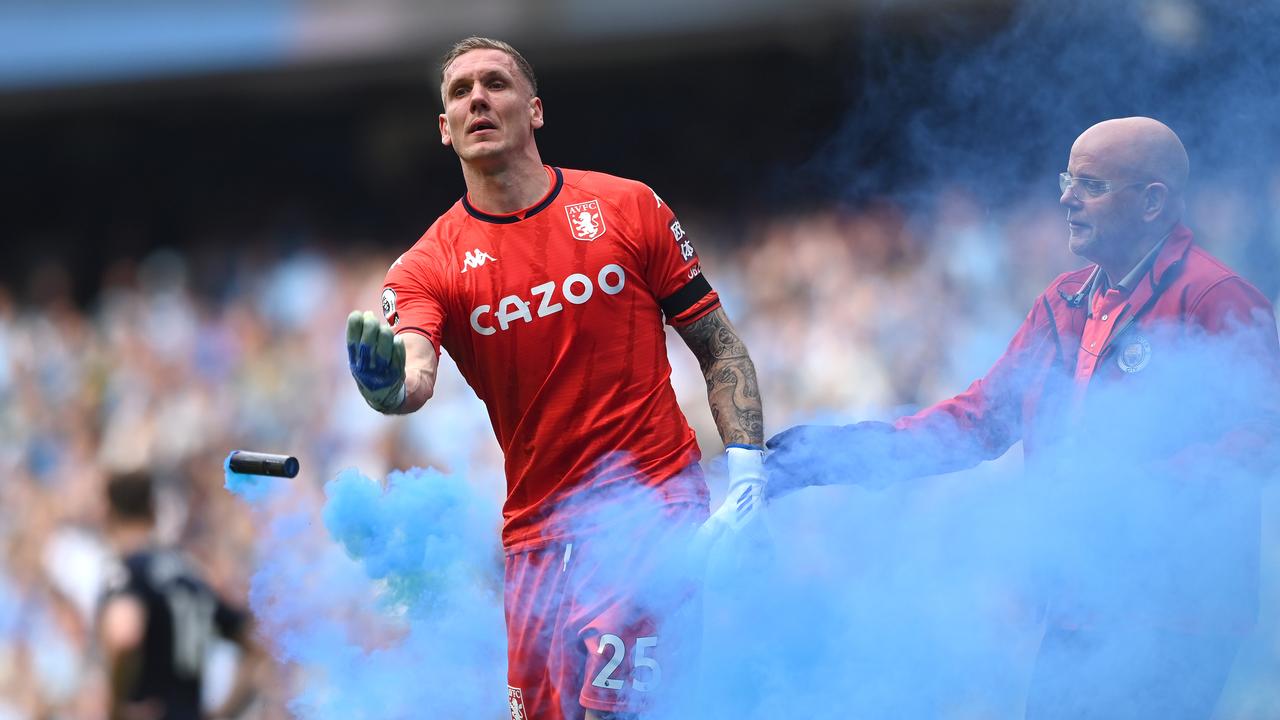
{"points": [[998, 111], [397, 613], [926, 598], [1136, 526]]}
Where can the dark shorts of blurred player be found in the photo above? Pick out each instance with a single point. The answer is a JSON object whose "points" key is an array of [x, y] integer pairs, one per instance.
{"points": [[609, 620]]}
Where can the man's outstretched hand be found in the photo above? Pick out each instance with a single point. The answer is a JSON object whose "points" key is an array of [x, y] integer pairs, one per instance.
{"points": [[808, 455], [376, 358]]}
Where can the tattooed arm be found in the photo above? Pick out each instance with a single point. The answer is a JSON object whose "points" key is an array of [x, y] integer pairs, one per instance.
{"points": [[732, 389]]}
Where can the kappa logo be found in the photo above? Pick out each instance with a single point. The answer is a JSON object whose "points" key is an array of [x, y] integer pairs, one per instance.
{"points": [[515, 700], [476, 258], [586, 221]]}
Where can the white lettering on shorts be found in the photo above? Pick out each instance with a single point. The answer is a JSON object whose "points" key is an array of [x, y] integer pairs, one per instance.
{"points": [[640, 659]]}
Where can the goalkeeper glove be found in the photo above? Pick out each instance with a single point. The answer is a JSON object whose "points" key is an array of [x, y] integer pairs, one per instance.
{"points": [[744, 499], [376, 358], [735, 536]]}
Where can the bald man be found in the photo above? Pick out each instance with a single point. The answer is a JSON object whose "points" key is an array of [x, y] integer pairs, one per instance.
{"points": [[1143, 389]]}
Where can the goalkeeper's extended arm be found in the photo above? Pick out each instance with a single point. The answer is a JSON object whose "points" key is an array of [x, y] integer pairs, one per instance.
{"points": [[394, 373]]}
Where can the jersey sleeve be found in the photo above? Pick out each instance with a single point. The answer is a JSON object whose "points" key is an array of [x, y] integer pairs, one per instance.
{"points": [[411, 299], [1234, 306], [672, 267], [986, 419], [1239, 332]]}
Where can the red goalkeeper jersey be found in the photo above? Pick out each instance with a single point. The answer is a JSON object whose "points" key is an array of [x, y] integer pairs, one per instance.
{"points": [[554, 315]]}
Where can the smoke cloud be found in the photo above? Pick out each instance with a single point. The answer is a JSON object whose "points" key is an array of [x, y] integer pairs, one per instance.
{"points": [[395, 610], [927, 598], [998, 111]]}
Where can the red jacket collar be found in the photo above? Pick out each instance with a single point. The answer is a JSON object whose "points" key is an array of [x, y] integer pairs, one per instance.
{"points": [[1174, 251], [1171, 255]]}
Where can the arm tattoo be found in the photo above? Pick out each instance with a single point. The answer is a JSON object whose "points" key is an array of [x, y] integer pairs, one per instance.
{"points": [[732, 389]]}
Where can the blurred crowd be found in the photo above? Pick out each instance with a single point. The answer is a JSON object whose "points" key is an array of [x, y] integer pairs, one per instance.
{"points": [[186, 354]]}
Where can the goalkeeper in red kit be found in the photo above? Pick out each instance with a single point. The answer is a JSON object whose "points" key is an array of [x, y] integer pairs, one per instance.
{"points": [[549, 288]]}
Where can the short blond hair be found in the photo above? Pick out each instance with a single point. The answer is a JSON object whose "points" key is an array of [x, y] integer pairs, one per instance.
{"points": [[483, 43]]}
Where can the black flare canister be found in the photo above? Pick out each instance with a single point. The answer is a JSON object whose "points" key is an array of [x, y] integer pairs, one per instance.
{"points": [[256, 463]]}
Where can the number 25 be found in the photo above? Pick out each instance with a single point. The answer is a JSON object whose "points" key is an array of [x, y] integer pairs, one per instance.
{"points": [[605, 678]]}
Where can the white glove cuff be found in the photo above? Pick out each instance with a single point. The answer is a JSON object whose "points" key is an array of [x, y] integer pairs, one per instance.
{"points": [[746, 464], [383, 403]]}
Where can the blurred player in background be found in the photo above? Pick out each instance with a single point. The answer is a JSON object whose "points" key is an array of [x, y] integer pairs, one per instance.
{"points": [[549, 288], [1151, 376], [157, 619]]}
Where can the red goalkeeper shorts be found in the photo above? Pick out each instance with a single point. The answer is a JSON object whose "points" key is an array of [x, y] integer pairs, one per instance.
{"points": [[608, 621]]}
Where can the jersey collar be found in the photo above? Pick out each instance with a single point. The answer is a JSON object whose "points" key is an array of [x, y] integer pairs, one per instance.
{"points": [[557, 182]]}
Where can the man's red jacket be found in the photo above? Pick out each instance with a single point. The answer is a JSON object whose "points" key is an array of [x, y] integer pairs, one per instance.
{"points": [[1145, 436]]}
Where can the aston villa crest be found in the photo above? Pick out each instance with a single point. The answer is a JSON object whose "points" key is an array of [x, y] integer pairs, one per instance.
{"points": [[586, 221], [515, 702]]}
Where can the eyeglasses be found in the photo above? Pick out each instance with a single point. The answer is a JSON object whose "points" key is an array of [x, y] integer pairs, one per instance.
{"points": [[1092, 187]]}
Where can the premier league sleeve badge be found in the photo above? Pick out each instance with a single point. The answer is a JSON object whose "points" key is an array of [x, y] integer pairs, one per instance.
{"points": [[389, 307], [1134, 354]]}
